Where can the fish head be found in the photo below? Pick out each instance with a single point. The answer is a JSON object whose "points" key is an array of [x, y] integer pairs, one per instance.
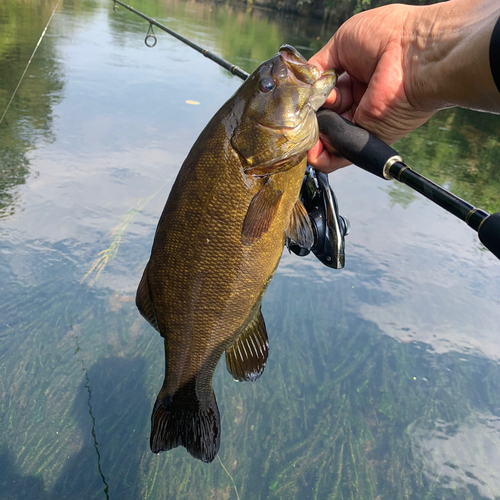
{"points": [[279, 102]]}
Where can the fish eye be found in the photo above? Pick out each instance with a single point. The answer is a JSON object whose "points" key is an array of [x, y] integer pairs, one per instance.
{"points": [[267, 84]]}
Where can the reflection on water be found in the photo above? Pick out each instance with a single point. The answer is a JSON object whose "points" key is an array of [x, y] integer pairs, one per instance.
{"points": [[451, 450], [460, 149], [383, 380], [30, 118]]}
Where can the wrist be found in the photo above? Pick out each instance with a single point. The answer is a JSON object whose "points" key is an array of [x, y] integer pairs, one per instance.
{"points": [[448, 56]]}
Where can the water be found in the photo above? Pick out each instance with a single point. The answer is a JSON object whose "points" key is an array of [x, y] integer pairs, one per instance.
{"points": [[383, 380]]}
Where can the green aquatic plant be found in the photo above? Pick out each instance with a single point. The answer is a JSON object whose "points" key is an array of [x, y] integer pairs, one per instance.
{"points": [[104, 256], [342, 411]]}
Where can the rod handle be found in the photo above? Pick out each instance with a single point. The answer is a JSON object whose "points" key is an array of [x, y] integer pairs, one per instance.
{"points": [[360, 147], [367, 151], [489, 233]]}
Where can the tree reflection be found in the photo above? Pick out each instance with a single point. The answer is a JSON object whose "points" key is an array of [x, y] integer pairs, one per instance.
{"points": [[460, 150], [29, 117]]}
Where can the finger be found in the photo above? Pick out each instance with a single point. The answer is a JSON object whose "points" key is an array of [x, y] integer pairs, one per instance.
{"points": [[321, 159], [316, 150], [358, 90], [332, 100], [327, 57], [341, 98]]}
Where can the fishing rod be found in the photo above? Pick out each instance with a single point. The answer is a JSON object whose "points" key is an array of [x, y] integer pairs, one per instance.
{"points": [[329, 227], [150, 41], [364, 150], [370, 153]]}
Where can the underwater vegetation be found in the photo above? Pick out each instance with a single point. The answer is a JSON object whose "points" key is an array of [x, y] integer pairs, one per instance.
{"points": [[344, 411]]}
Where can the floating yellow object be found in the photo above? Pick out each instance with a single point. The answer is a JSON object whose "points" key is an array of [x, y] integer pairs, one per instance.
{"points": [[195, 103]]}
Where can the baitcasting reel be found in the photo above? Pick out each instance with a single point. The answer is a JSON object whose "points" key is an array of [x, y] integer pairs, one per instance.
{"points": [[328, 226]]}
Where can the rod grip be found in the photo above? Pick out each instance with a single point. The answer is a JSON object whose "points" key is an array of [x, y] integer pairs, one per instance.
{"points": [[489, 233], [354, 143]]}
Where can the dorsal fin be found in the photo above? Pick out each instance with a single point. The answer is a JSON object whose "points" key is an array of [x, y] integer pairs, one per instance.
{"points": [[144, 302], [247, 357], [299, 230], [260, 214]]}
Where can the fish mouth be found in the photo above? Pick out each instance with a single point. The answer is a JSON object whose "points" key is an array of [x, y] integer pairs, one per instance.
{"points": [[290, 53], [322, 82], [299, 66], [308, 73]]}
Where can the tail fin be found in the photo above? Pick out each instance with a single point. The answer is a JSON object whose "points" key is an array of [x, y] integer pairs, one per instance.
{"points": [[198, 430]]}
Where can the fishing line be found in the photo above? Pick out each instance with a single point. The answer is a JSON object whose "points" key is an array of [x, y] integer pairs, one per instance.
{"points": [[29, 62], [230, 477], [89, 404]]}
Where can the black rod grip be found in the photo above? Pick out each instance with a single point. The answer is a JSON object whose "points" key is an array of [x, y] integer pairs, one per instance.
{"points": [[354, 143], [489, 234]]}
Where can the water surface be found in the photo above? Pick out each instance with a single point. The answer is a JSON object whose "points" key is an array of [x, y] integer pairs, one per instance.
{"points": [[383, 380]]}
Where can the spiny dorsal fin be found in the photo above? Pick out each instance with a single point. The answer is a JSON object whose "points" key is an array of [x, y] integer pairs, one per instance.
{"points": [[247, 357], [143, 301], [261, 213], [299, 230]]}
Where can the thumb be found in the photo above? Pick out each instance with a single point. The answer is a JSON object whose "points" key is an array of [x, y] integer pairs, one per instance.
{"points": [[327, 57]]}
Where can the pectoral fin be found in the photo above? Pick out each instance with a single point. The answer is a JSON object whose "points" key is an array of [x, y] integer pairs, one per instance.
{"points": [[299, 229], [247, 357], [144, 302], [260, 214]]}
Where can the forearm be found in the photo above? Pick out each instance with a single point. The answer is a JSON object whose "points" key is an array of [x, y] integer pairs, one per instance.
{"points": [[449, 59]]}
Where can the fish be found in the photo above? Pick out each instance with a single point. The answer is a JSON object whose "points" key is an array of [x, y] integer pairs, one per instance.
{"points": [[219, 241]]}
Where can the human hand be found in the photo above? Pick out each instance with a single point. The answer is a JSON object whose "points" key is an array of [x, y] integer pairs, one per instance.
{"points": [[403, 63]]}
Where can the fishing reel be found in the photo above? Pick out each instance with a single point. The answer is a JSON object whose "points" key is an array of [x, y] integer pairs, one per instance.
{"points": [[329, 227]]}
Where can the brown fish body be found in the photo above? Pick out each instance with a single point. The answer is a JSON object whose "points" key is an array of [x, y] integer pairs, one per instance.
{"points": [[218, 243]]}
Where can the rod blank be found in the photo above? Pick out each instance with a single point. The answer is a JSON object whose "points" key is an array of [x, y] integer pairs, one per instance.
{"points": [[235, 70]]}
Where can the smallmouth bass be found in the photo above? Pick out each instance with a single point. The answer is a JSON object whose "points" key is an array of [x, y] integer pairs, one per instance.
{"points": [[219, 240]]}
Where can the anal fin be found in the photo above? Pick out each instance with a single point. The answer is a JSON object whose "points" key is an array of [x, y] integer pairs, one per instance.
{"points": [[247, 357], [144, 302]]}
